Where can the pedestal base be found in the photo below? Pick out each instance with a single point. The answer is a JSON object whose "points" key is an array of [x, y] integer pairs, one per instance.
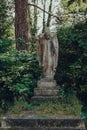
{"points": [[46, 90], [40, 99], [43, 123]]}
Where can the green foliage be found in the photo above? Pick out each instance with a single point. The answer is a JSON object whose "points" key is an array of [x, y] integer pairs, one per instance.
{"points": [[19, 72], [6, 19], [74, 5], [6, 45], [20, 108], [72, 67], [68, 106]]}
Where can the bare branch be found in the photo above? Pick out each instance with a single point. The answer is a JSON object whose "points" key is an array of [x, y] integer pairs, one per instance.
{"points": [[44, 11]]}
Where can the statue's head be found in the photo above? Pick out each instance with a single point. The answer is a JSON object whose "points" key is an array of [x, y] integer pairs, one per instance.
{"points": [[47, 33]]}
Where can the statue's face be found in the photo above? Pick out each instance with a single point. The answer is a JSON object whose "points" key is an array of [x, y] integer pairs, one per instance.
{"points": [[47, 37]]}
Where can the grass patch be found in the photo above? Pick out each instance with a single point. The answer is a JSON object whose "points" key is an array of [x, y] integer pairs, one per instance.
{"points": [[20, 108], [58, 108], [66, 106]]}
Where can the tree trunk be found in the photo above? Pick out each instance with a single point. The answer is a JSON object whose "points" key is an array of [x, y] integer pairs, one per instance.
{"points": [[35, 18], [30, 19], [49, 16], [44, 7], [21, 24]]}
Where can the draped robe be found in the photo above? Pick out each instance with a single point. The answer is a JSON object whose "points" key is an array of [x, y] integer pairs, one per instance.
{"points": [[47, 52]]}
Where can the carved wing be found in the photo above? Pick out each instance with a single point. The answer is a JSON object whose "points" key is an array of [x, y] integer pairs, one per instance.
{"points": [[56, 46], [40, 50]]}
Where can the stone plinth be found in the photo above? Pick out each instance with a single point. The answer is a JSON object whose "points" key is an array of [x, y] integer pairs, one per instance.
{"points": [[46, 89], [43, 123]]}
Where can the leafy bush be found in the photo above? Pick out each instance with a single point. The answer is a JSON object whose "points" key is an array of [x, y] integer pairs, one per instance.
{"points": [[6, 45], [71, 73], [19, 72], [72, 68], [6, 19]]}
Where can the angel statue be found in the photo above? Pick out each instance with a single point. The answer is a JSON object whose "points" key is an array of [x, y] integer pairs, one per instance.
{"points": [[47, 52]]}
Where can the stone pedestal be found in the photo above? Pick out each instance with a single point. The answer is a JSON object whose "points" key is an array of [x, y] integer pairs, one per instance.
{"points": [[46, 89], [43, 123]]}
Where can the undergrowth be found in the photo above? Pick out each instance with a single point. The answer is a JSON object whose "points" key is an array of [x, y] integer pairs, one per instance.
{"points": [[70, 106]]}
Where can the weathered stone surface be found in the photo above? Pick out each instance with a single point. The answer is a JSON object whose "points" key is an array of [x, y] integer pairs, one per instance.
{"points": [[45, 91], [46, 88], [45, 98], [46, 84], [40, 123], [29, 128], [47, 53]]}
